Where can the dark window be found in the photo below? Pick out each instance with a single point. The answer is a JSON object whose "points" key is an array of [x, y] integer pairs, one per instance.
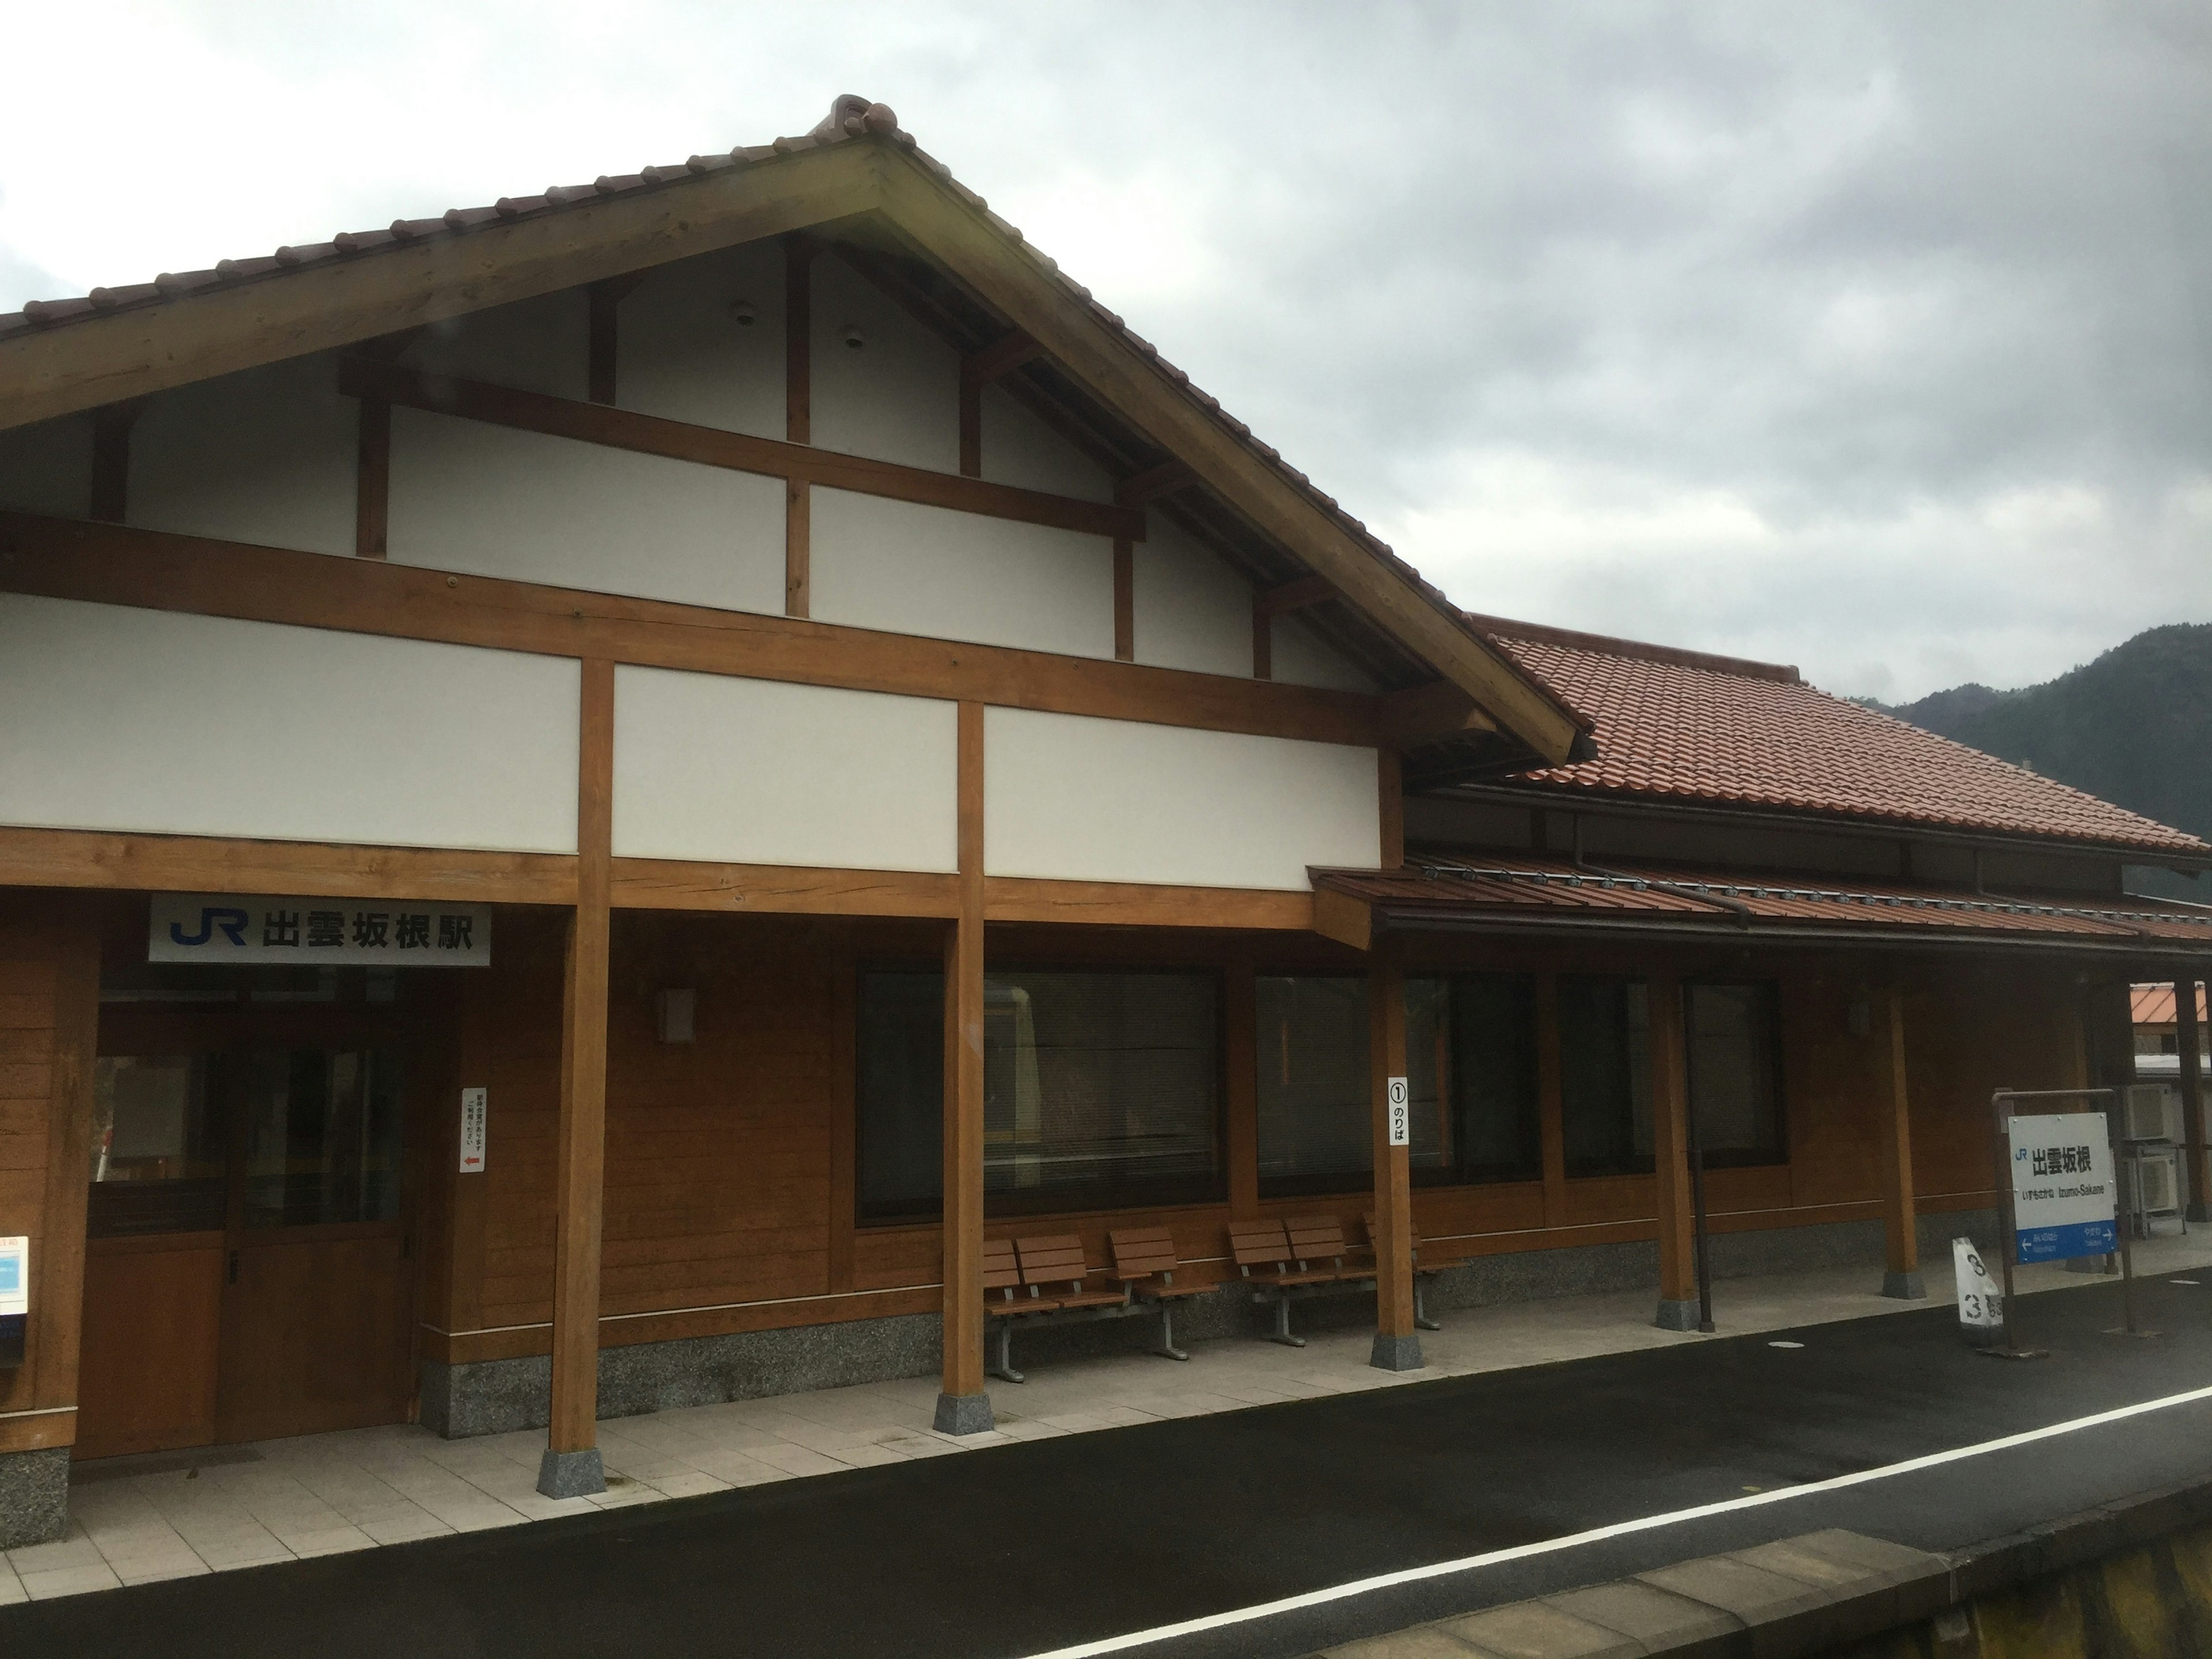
{"points": [[159, 1162], [322, 1137], [1100, 1091], [1317, 1127], [1471, 1068], [1734, 1072], [1605, 1075]]}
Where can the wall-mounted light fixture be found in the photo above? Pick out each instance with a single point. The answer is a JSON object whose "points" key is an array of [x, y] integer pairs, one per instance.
{"points": [[742, 314], [674, 1015], [852, 337]]}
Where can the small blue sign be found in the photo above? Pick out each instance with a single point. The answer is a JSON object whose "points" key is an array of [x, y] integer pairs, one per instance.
{"points": [[2064, 1244], [11, 1274]]}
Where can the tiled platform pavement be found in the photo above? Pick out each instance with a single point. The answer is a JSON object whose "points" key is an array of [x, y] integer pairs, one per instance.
{"points": [[134, 1520]]}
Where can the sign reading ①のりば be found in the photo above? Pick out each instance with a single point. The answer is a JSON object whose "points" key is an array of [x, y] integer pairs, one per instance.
{"points": [[2062, 1188]]}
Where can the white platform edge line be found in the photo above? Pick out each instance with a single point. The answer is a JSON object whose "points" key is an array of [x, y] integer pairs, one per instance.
{"points": [[1618, 1529]]}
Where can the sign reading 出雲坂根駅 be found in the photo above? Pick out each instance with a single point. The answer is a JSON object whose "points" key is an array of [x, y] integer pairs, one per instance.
{"points": [[228, 927], [2063, 1188]]}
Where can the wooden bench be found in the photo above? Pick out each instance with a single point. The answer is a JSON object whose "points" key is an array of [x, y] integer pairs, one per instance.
{"points": [[1422, 1270], [1039, 1278], [1145, 1262], [1288, 1261]]}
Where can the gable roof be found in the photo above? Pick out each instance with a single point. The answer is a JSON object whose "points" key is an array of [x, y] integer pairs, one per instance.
{"points": [[1682, 725], [62, 355]]}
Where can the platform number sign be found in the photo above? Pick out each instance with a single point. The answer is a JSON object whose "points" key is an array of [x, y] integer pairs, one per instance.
{"points": [[1402, 1112]]}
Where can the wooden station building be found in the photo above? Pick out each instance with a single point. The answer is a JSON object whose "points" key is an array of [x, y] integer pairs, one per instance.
{"points": [[596, 792]]}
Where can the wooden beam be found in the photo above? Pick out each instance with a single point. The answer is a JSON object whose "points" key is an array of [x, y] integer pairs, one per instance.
{"points": [[1287, 596], [1006, 275], [971, 430], [1900, 1231], [780, 890], [1001, 357], [1154, 481], [2188, 1041], [603, 301], [44, 371], [963, 1406], [111, 460], [203, 864], [1670, 1150], [372, 489], [1346, 919], [706, 446], [1131, 904], [571, 1465], [798, 253], [1428, 714], [1390, 808], [797, 548], [1124, 601], [1263, 645], [156, 570], [1397, 1345]]}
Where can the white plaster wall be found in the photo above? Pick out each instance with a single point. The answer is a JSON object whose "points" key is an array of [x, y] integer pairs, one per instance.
{"points": [[537, 345], [1020, 449], [1300, 658], [1189, 609], [897, 398], [144, 720], [760, 772], [680, 354], [470, 496], [269, 455], [1080, 799], [46, 467], [913, 569]]}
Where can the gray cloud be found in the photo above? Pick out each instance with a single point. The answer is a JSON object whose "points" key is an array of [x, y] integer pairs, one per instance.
{"points": [[1875, 337]]}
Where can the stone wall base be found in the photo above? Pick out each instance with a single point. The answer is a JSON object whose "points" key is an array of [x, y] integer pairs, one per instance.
{"points": [[33, 1497], [498, 1396]]}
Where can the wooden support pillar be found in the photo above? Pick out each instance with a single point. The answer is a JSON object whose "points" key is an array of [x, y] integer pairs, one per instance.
{"points": [[2197, 1164], [372, 499], [1899, 1221], [1550, 1099], [963, 1406], [1397, 1345], [1124, 601], [1670, 1150], [571, 1465], [798, 253], [111, 460], [1241, 1023]]}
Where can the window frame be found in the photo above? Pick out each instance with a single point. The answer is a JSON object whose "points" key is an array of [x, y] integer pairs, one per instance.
{"points": [[1456, 1176], [1770, 996]]}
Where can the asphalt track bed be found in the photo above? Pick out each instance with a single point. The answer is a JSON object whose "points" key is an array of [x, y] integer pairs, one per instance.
{"points": [[1021, 1549]]}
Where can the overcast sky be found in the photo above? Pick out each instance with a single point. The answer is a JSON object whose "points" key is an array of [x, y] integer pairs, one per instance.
{"points": [[1875, 338]]}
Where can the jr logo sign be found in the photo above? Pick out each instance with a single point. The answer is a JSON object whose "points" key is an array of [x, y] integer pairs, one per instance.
{"points": [[232, 923]]}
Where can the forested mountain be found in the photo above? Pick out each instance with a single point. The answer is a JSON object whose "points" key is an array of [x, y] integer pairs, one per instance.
{"points": [[2134, 726]]}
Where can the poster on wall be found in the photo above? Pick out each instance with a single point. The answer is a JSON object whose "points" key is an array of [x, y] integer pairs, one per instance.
{"points": [[235, 928], [2063, 1188]]}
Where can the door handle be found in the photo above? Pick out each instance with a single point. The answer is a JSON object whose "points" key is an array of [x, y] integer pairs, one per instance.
{"points": [[233, 1267]]}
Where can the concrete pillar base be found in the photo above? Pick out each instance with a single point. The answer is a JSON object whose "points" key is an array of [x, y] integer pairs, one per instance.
{"points": [[1677, 1315], [964, 1413], [1904, 1286], [571, 1473], [1396, 1354], [33, 1497]]}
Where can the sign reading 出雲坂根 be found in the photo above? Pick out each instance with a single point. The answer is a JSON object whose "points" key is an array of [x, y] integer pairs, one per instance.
{"points": [[2063, 1188], [228, 927]]}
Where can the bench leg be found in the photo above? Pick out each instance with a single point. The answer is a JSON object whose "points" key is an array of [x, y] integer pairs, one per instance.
{"points": [[1421, 1320], [1005, 1367], [1167, 1347], [1282, 1331]]}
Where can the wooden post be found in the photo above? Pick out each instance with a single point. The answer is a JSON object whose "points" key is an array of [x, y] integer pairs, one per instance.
{"points": [[372, 503], [963, 1406], [1901, 1230], [2197, 1164], [1671, 1151], [111, 460], [1397, 1345], [1124, 601], [798, 422], [1550, 1099], [571, 1465], [1241, 1023]]}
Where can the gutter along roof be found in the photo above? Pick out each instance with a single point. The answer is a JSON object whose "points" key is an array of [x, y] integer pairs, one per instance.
{"points": [[856, 172], [1684, 726], [1518, 892]]}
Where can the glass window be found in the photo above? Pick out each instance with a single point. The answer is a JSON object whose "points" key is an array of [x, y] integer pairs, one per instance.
{"points": [[1734, 1072], [1317, 1128], [1100, 1091], [322, 1137], [1471, 1068], [159, 1153], [1605, 1075]]}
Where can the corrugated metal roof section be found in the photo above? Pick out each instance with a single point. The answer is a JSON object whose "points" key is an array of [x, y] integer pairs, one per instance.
{"points": [[1528, 889], [1685, 726]]}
